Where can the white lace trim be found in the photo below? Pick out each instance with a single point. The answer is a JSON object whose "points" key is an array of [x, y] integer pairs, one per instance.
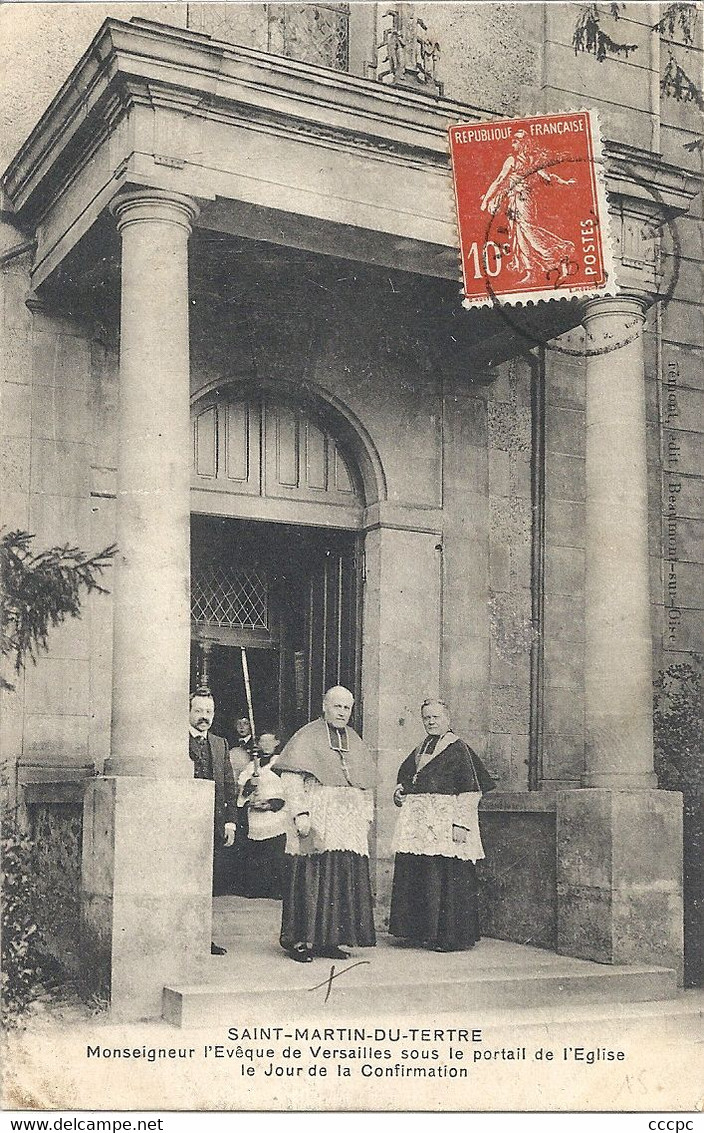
{"points": [[339, 816], [262, 824], [424, 826]]}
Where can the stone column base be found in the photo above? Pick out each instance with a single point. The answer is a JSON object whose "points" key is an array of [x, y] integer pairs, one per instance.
{"points": [[619, 876], [146, 888]]}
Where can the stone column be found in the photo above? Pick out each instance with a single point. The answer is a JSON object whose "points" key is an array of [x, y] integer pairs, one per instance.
{"points": [[152, 570], [401, 667], [618, 650], [148, 825], [619, 842]]}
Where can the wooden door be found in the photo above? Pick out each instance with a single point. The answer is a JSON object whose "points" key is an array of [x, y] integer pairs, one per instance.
{"points": [[322, 640]]}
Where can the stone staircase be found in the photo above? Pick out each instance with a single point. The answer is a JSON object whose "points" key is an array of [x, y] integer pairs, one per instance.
{"points": [[256, 980]]}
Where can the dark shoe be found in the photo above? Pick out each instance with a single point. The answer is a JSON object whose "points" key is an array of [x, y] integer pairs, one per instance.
{"points": [[332, 953], [301, 954], [216, 950]]}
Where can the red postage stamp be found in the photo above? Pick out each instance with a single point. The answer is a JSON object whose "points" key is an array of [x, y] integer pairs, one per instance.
{"points": [[531, 209]]}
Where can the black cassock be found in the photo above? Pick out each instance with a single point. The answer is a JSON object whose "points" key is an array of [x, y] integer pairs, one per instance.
{"points": [[434, 899]]}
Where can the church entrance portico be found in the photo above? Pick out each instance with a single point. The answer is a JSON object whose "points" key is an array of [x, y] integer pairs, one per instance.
{"points": [[303, 420]]}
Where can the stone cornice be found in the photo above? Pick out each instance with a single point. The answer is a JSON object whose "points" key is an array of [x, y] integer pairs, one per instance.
{"points": [[645, 180], [152, 63], [148, 63], [141, 87]]}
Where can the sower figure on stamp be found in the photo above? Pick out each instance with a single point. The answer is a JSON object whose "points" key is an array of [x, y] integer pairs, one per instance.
{"points": [[211, 760], [434, 899], [533, 247], [327, 776]]}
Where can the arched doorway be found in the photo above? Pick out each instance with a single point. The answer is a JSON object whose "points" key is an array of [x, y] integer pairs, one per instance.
{"points": [[277, 516]]}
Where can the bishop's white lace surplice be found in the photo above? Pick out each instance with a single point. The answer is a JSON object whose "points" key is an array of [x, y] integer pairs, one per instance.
{"points": [[339, 816], [424, 826]]}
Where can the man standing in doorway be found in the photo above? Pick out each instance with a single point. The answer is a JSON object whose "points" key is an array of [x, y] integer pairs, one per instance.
{"points": [[327, 777], [211, 760]]}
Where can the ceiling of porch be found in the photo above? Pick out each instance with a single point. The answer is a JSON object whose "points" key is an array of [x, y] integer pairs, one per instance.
{"points": [[232, 277]]}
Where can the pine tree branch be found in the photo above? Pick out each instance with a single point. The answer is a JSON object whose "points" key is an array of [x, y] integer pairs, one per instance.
{"points": [[677, 84], [589, 36], [682, 16], [42, 590]]}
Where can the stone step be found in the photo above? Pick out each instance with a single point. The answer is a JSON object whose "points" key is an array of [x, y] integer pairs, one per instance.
{"points": [[204, 1004], [256, 980]]}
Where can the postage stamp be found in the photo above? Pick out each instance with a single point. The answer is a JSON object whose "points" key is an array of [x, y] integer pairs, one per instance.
{"points": [[531, 209]]}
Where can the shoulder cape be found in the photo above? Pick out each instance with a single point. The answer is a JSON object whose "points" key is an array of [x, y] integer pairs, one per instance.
{"points": [[309, 752], [453, 768]]}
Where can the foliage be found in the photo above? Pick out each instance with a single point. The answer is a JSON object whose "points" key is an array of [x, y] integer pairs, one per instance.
{"points": [[590, 37], [40, 590], [677, 84], [21, 954], [678, 723], [678, 17], [677, 21]]}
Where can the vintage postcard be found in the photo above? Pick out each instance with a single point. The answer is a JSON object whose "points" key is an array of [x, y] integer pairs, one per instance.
{"points": [[352, 557]]}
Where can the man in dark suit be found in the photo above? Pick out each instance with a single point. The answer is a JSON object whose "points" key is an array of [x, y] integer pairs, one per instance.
{"points": [[211, 760]]}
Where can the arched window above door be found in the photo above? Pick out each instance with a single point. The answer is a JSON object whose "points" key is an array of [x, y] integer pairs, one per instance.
{"points": [[272, 449]]}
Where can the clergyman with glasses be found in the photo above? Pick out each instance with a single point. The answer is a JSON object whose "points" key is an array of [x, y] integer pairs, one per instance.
{"points": [[327, 777]]}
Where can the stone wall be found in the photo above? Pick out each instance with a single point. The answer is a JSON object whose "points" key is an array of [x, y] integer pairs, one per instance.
{"points": [[510, 504], [59, 399], [622, 88], [490, 56], [55, 816], [518, 885], [676, 405], [675, 422], [53, 413]]}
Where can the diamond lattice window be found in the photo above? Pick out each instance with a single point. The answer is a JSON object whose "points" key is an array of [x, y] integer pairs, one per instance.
{"points": [[230, 597], [317, 33]]}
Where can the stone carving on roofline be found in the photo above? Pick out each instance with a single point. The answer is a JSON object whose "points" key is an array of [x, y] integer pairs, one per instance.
{"points": [[312, 33], [409, 51]]}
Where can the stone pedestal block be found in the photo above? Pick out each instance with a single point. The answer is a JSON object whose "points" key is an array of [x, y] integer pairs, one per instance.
{"points": [[619, 876], [146, 901]]}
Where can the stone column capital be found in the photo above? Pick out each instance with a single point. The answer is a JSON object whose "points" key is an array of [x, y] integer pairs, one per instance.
{"points": [[144, 206], [613, 322], [623, 306]]}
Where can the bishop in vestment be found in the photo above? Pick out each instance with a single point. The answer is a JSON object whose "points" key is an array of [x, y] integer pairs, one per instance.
{"points": [[327, 778], [434, 899]]}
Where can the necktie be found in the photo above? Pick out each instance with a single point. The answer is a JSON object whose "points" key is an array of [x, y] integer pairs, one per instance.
{"points": [[201, 757]]}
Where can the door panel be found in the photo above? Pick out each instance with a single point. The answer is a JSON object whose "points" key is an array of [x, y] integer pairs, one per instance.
{"points": [[310, 577], [320, 639], [261, 446], [332, 624]]}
